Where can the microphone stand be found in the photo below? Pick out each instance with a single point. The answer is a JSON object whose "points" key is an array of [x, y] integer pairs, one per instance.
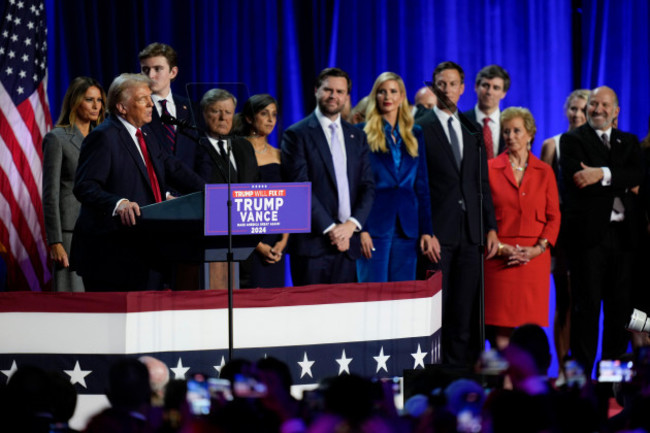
{"points": [[473, 130], [229, 254], [184, 124], [481, 224]]}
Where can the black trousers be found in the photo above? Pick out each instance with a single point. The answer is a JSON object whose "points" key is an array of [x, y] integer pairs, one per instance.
{"points": [[600, 273], [460, 266]]}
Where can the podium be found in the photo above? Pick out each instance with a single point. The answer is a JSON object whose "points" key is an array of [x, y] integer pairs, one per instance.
{"points": [[175, 231]]}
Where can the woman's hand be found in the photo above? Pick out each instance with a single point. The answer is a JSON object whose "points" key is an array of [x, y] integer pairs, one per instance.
{"points": [[518, 255], [267, 253], [430, 248], [367, 246], [58, 254]]}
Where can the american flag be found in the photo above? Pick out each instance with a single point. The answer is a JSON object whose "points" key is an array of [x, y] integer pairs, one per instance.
{"points": [[24, 120]]}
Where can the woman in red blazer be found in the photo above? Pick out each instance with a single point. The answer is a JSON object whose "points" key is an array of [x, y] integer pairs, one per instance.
{"points": [[526, 206]]}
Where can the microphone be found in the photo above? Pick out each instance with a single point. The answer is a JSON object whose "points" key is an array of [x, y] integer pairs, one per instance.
{"points": [[168, 119], [467, 124], [442, 98]]}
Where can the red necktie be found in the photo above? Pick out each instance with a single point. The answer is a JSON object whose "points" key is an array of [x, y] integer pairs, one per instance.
{"points": [[147, 161], [170, 132], [487, 137]]}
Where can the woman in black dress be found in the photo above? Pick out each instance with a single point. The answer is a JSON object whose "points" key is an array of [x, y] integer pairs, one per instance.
{"points": [[265, 267]]}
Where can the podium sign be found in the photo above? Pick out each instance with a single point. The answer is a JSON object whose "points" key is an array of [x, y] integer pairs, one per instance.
{"points": [[259, 208]]}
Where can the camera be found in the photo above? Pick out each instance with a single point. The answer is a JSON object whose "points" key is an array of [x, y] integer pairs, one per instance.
{"points": [[639, 322]]}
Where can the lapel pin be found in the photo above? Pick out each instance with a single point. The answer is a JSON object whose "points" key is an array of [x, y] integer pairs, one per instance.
{"points": [[351, 135]]}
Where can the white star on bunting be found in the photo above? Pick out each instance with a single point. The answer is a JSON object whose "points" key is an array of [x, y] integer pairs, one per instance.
{"points": [[305, 365], [11, 371], [381, 360], [179, 370], [344, 363], [78, 375], [220, 366], [418, 357]]}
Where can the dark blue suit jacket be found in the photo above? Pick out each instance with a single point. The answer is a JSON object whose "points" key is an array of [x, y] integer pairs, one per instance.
{"points": [[400, 196], [110, 168], [451, 188], [306, 157], [187, 141]]}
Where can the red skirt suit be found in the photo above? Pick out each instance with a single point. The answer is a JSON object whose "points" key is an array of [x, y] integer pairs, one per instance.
{"points": [[515, 295]]}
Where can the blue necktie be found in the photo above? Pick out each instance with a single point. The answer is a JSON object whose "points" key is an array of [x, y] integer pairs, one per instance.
{"points": [[453, 138]]}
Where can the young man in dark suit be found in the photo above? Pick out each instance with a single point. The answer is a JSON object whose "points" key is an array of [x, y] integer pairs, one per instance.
{"points": [[334, 156], [159, 62], [601, 166], [491, 86], [122, 167], [453, 164]]}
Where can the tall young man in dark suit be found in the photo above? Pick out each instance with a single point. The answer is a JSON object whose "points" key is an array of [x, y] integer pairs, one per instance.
{"points": [[600, 165], [492, 84], [453, 164], [334, 156], [122, 167], [159, 62]]}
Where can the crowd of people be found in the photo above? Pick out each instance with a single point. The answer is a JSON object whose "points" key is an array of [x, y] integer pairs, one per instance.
{"points": [[408, 189], [502, 395]]}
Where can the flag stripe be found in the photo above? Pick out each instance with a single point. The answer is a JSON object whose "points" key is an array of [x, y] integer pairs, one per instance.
{"points": [[43, 116], [211, 299], [14, 272], [23, 194], [18, 237]]}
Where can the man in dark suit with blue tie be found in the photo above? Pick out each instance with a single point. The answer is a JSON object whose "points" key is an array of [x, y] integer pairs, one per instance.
{"points": [[601, 166], [453, 164], [334, 156], [159, 62], [122, 167]]}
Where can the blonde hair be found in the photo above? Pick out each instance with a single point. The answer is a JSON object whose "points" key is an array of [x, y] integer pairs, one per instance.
{"points": [[374, 121], [579, 93], [525, 115]]}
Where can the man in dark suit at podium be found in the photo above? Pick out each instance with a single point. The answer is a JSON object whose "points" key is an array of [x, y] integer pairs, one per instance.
{"points": [[601, 165], [122, 167], [453, 164], [334, 156]]}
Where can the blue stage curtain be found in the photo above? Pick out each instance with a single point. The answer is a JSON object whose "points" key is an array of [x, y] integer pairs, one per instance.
{"points": [[616, 52], [278, 46]]}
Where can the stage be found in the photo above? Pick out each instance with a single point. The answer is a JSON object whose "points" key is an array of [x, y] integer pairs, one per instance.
{"points": [[377, 329]]}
